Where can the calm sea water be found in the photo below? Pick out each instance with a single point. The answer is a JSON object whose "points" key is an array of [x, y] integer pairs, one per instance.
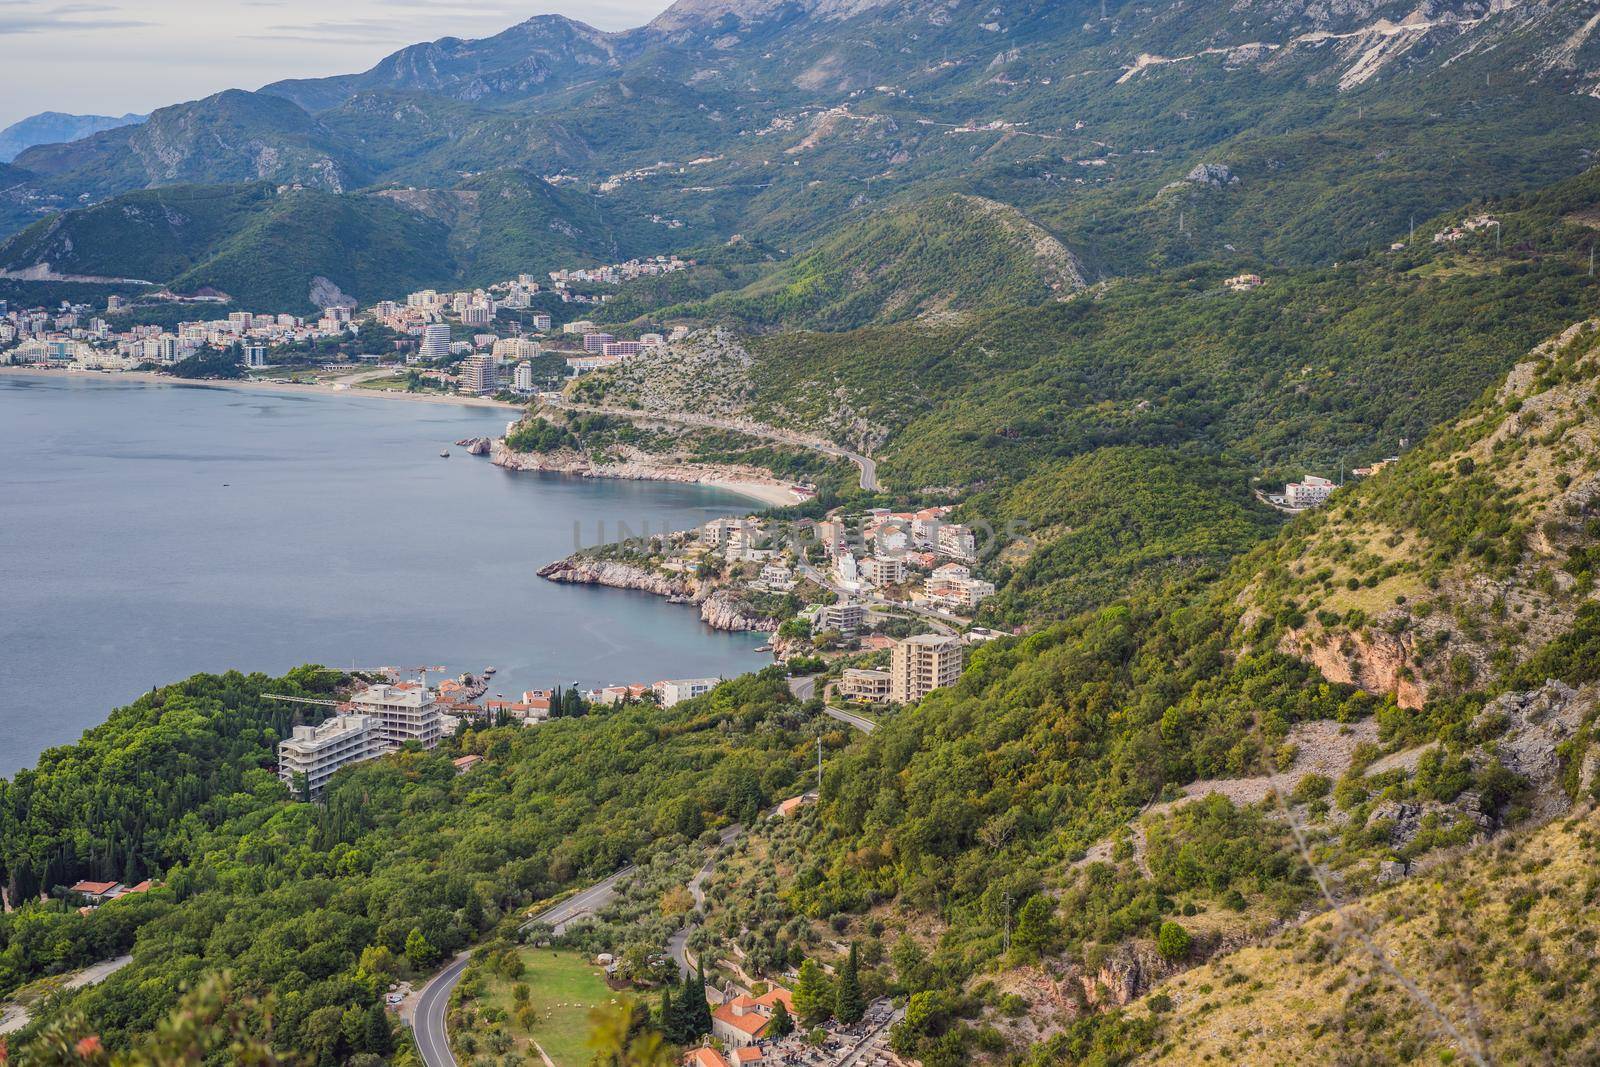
{"points": [[148, 532]]}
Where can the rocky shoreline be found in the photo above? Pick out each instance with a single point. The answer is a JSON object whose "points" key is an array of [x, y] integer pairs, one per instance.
{"points": [[719, 608]]}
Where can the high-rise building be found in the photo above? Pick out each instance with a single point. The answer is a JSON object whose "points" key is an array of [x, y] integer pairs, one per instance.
{"points": [[523, 378], [435, 341], [315, 752], [479, 376], [405, 712], [255, 355], [921, 664]]}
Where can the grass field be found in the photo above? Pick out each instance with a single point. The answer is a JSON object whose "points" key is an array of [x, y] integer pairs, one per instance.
{"points": [[563, 988]]}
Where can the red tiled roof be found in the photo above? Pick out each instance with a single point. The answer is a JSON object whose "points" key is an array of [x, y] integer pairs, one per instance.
{"points": [[751, 1023], [94, 888], [705, 1057]]}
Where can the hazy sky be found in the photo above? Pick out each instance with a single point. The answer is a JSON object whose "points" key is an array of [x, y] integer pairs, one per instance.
{"points": [[109, 58]]}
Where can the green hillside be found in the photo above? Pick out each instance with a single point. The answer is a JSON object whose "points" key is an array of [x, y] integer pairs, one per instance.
{"points": [[265, 246], [942, 259], [155, 234], [233, 136]]}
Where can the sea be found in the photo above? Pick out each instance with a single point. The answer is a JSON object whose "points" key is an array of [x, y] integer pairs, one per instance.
{"points": [[150, 531]]}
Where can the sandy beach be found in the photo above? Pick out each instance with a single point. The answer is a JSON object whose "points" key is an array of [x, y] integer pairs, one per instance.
{"points": [[767, 493], [327, 389]]}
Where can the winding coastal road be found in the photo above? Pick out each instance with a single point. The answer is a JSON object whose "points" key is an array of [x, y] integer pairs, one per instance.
{"points": [[866, 464], [428, 1022]]}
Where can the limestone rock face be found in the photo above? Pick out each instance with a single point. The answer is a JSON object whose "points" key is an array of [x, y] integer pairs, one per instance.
{"points": [[578, 570], [721, 609]]}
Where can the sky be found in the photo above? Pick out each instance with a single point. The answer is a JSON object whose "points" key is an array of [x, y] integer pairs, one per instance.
{"points": [[115, 57]]}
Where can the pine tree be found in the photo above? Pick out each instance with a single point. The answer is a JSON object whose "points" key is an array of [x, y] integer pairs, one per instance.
{"points": [[782, 1024], [379, 1036], [813, 995], [848, 1004]]}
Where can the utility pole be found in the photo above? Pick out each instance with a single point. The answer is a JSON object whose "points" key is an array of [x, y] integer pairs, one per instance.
{"points": [[1008, 923], [819, 767]]}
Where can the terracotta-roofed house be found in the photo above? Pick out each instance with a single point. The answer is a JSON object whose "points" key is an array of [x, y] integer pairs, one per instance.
{"points": [[705, 1057], [98, 891]]}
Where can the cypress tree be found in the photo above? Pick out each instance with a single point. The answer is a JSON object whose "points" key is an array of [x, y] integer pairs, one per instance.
{"points": [[379, 1038], [702, 1006], [669, 1018], [849, 1005]]}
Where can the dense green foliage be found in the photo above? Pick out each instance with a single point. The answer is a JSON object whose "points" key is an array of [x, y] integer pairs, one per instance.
{"points": [[537, 435], [943, 257], [407, 861], [1116, 519]]}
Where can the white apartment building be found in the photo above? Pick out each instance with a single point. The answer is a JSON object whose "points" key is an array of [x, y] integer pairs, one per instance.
{"points": [[522, 378], [921, 664], [678, 690], [405, 712], [956, 540], [315, 752], [1308, 493], [844, 617], [881, 571], [479, 376], [435, 341], [858, 683]]}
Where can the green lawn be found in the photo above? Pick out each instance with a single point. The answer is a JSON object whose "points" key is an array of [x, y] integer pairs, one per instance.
{"points": [[563, 987]]}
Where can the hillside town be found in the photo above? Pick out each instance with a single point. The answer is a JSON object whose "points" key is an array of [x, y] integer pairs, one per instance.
{"points": [[479, 342]]}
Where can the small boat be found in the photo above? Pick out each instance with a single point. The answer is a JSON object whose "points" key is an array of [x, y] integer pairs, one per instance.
{"points": [[488, 670], [445, 454]]}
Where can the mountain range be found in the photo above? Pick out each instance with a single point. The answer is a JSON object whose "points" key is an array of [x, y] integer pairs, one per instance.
{"points": [[1139, 138], [1216, 783], [55, 127]]}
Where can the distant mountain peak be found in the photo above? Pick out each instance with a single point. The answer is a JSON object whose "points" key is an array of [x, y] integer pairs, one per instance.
{"points": [[690, 14], [55, 127]]}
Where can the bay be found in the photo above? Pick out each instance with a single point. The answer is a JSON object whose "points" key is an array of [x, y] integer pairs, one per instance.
{"points": [[152, 531]]}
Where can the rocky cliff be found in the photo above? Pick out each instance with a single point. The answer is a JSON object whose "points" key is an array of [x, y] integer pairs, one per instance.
{"points": [[721, 609]]}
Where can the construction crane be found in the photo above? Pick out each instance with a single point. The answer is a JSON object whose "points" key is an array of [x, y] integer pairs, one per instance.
{"points": [[300, 700]]}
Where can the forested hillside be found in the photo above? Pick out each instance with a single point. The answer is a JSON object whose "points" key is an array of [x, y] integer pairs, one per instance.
{"points": [[942, 259], [403, 864], [1150, 764]]}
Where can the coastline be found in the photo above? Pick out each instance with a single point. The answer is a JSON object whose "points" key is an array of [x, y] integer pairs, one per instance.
{"points": [[747, 482], [768, 494], [249, 385]]}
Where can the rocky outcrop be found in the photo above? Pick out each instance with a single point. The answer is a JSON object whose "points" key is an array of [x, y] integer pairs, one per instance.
{"points": [[721, 609], [1377, 662], [579, 570], [1126, 975], [1538, 724], [476, 446]]}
